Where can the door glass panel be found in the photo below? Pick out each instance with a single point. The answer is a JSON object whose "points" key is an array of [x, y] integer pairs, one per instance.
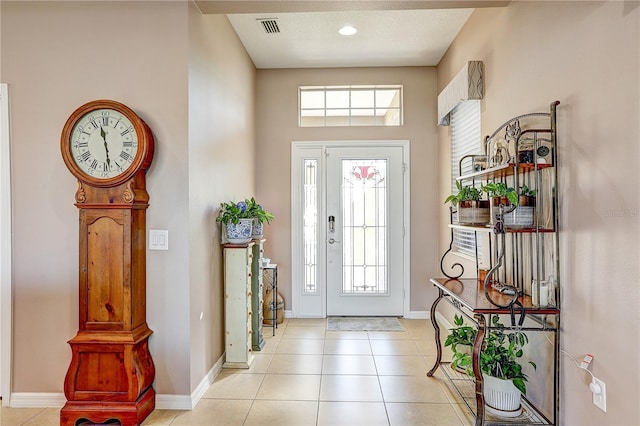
{"points": [[310, 225], [364, 227]]}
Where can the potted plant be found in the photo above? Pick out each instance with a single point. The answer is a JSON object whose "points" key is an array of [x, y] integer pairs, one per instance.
{"points": [[501, 193], [471, 209], [518, 207], [527, 197], [237, 222], [461, 340], [504, 381], [259, 216]]}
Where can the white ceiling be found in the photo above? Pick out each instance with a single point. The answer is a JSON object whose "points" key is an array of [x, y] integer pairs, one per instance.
{"points": [[385, 37], [391, 32]]}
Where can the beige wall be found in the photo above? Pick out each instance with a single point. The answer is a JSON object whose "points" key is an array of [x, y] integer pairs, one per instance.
{"points": [[57, 56], [586, 55], [277, 124], [221, 156], [194, 85]]}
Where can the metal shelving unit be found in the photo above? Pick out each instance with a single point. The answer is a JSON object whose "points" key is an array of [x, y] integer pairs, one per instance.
{"points": [[271, 279], [464, 386], [523, 151]]}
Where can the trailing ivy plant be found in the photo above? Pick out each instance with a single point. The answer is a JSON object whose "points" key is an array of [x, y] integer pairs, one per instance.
{"points": [[501, 353], [500, 189], [460, 335], [463, 335], [255, 210], [465, 193]]}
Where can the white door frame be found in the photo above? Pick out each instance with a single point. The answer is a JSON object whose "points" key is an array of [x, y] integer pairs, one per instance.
{"points": [[5, 249], [298, 149]]}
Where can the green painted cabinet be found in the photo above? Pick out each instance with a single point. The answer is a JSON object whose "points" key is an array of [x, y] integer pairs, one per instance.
{"points": [[257, 339]]}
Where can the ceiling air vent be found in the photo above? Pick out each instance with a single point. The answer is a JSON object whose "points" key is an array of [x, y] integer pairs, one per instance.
{"points": [[269, 25]]}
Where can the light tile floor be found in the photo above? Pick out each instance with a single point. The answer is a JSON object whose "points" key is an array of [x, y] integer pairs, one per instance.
{"points": [[306, 375]]}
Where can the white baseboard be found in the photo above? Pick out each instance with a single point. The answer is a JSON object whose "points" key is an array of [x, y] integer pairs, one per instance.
{"points": [[163, 401], [57, 400], [418, 315], [412, 315], [173, 402], [444, 322], [188, 402], [204, 384], [37, 400]]}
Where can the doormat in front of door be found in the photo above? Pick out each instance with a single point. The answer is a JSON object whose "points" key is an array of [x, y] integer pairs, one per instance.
{"points": [[364, 324]]}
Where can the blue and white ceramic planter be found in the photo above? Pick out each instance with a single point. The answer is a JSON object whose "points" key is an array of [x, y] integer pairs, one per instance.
{"points": [[239, 233], [257, 230]]}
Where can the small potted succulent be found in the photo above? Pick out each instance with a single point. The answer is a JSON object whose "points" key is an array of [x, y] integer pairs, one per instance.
{"points": [[472, 210], [259, 216], [526, 196], [238, 224]]}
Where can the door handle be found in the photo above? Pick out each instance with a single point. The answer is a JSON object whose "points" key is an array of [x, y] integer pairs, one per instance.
{"points": [[333, 241]]}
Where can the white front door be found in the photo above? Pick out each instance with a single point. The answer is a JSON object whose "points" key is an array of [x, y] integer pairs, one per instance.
{"points": [[357, 263], [364, 231]]}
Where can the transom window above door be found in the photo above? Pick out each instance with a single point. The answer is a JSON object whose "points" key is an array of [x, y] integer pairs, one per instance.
{"points": [[326, 106]]}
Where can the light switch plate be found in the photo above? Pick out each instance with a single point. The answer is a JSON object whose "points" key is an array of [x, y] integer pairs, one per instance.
{"points": [[158, 239]]}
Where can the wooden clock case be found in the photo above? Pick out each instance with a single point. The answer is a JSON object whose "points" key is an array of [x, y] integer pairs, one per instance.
{"points": [[111, 372]]}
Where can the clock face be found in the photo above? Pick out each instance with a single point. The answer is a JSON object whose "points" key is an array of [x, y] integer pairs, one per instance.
{"points": [[103, 143]]}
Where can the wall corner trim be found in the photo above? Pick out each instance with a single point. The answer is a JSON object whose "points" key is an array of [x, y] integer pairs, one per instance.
{"points": [[204, 384]]}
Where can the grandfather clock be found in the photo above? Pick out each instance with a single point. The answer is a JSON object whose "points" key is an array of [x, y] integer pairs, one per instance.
{"points": [[108, 148]]}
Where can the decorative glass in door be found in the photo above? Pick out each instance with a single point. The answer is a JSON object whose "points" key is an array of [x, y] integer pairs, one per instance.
{"points": [[364, 226], [310, 225]]}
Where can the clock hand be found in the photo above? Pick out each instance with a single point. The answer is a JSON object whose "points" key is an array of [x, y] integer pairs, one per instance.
{"points": [[106, 147]]}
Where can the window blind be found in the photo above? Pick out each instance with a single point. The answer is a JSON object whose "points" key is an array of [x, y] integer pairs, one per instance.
{"points": [[465, 139]]}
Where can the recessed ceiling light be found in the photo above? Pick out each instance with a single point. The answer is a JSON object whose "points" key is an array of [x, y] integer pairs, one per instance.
{"points": [[348, 30]]}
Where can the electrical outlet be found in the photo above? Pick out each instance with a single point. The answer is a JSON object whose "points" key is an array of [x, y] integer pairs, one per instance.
{"points": [[599, 394]]}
